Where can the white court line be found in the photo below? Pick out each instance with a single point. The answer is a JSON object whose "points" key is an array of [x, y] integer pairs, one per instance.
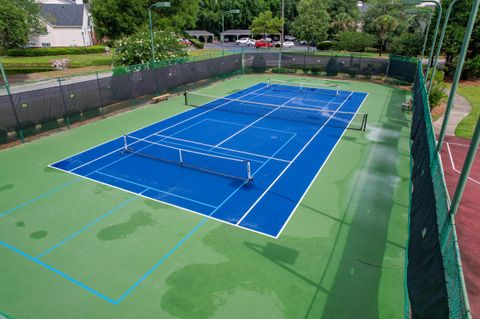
{"points": [[251, 124], [459, 144], [225, 148], [297, 98], [293, 160], [188, 119], [453, 164], [259, 127]]}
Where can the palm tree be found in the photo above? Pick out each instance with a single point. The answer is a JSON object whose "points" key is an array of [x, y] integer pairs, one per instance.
{"points": [[345, 22], [385, 25]]}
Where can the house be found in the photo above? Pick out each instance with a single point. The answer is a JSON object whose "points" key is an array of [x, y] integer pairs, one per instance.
{"points": [[68, 23]]}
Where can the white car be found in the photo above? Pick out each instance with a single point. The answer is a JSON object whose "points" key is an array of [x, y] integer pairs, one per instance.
{"points": [[245, 41], [288, 44]]}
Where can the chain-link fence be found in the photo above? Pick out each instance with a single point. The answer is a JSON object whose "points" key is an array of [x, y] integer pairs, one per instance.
{"points": [[43, 106], [434, 279]]}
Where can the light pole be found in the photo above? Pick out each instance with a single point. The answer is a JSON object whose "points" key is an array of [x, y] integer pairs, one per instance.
{"points": [[440, 43], [233, 11], [413, 11], [458, 73], [437, 26], [155, 5]]}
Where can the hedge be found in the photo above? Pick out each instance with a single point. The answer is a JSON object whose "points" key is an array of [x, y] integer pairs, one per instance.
{"points": [[197, 44], [55, 51], [325, 46]]}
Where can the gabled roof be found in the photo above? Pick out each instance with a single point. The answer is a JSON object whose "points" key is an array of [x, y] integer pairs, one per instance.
{"points": [[197, 33], [237, 32], [63, 14]]}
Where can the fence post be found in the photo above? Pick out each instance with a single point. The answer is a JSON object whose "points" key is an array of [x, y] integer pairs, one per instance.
{"points": [[388, 68], [243, 61], [67, 117], [305, 60], [99, 92], [7, 87]]}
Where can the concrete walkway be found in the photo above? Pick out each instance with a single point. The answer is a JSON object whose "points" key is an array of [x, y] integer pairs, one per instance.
{"points": [[461, 108]]}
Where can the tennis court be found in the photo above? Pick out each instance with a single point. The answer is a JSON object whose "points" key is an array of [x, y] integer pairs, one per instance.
{"points": [[252, 197], [246, 159]]}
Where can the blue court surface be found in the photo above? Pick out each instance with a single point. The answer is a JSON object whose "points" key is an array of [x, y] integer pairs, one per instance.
{"points": [[246, 159]]}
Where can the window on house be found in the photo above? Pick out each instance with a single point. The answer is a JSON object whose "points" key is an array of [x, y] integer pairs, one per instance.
{"points": [[46, 45]]}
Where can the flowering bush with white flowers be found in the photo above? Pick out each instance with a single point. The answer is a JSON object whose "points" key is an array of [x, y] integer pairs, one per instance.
{"points": [[60, 64], [136, 49]]}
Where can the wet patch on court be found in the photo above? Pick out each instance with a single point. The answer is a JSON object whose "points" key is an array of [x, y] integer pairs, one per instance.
{"points": [[123, 230]]}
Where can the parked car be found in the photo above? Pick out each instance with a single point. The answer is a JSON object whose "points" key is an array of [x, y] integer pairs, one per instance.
{"points": [[286, 44], [263, 44], [290, 38], [185, 42], [245, 41]]}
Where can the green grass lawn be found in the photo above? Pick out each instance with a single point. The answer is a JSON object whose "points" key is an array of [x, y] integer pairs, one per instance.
{"points": [[76, 60], [466, 127]]}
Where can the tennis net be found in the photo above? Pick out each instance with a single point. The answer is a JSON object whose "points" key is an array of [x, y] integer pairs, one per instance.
{"points": [[315, 116], [214, 164], [303, 88]]}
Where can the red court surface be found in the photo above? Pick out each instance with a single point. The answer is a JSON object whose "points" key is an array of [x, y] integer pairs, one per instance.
{"points": [[467, 219]]}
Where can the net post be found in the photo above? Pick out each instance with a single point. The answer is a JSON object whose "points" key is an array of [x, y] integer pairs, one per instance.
{"points": [[125, 147], [186, 98], [365, 118], [249, 172], [180, 156]]}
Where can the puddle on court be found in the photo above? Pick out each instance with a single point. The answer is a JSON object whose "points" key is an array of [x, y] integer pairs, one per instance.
{"points": [[100, 188], [123, 230], [378, 134], [38, 234], [6, 187], [20, 224]]}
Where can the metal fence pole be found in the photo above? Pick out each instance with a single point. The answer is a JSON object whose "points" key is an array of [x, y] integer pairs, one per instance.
{"points": [[67, 118], [7, 87], [472, 151], [458, 72], [99, 92]]}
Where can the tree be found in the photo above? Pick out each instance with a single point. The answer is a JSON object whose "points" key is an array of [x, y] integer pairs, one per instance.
{"points": [[18, 22], [407, 44], [354, 41], [266, 23], [118, 18], [312, 22], [344, 22], [385, 25], [136, 49]]}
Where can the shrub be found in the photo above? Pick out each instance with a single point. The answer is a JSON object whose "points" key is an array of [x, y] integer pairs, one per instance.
{"points": [[471, 68], [55, 51], [407, 44], [197, 44], [325, 45], [437, 92], [28, 128], [259, 64], [354, 41], [73, 116], [49, 123], [316, 70], [136, 49]]}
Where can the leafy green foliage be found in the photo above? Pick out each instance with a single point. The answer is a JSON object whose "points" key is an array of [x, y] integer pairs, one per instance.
{"points": [[354, 41], [437, 92], [197, 44], [115, 19], [118, 18], [19, 21], [266, 23], [325, 45], [136, 49], [55, 51], [471, 68], [313, 21], [344, 22], [407, 44], [385, 25]]}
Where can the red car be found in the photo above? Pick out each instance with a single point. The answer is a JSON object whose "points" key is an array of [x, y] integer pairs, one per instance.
{"points": [[263, 44]]}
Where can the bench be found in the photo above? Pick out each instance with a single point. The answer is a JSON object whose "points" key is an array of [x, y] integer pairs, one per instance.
{"points": [[407, 105], [160, 98]]}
